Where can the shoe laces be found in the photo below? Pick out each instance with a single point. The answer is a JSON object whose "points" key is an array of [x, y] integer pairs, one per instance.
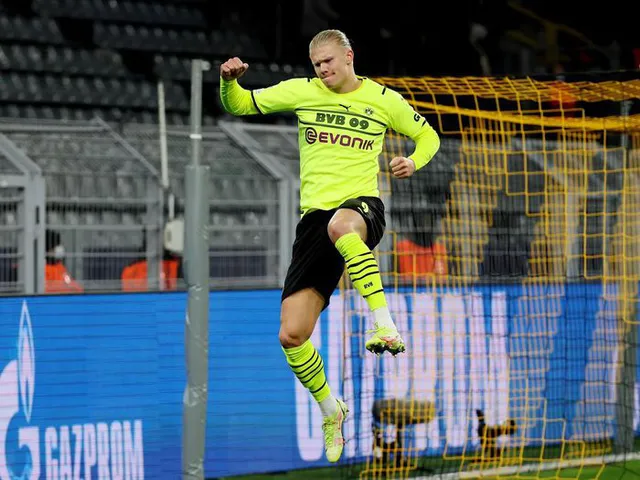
{"points": [[381, 330]]}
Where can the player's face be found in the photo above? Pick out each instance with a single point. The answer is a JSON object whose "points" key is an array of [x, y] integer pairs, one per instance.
{"points": [[332, 64]]}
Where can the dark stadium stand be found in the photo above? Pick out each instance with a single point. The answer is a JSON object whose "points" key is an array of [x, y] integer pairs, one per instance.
{"points": [[75, 59]]}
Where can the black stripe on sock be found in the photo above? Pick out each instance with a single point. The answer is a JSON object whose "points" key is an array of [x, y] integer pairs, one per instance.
{"points": [[353, 258], [315, 352], [365, 276], [310, 367], [373, 293], [312, 375], [351, 272], [317, 390], [360, 263]]}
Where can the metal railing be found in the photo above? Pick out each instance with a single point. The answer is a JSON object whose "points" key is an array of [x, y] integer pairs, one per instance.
{"points": [[246, 203], [101, 190], [100, 195]]}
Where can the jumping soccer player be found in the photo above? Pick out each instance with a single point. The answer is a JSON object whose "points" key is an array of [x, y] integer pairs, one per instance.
{"points": [[342, 122]]}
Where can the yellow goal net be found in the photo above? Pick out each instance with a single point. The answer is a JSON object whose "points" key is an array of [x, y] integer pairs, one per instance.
{"points": [[512, 265]]}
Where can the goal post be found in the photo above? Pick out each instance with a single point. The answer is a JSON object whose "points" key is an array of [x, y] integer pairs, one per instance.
{"points": [[512, 261]]}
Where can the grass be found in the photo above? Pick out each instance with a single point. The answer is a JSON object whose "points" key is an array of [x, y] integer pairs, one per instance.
{"points": [[629, 470], [626, 471]]}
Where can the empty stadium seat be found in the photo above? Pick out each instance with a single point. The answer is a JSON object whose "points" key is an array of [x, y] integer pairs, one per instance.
{"points": [[32, 30], [89, 90], [96, 190], [57, 77], [147, 38], [151, 13], [507, 251]]}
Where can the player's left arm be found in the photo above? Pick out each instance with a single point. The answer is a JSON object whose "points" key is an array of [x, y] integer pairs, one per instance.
{"points": [[406, 121]]}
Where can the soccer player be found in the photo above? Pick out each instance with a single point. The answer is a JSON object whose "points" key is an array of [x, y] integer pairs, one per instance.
{"points": [[342, 119]]}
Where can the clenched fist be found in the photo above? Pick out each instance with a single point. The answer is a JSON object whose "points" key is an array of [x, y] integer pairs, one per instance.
{"points": [[402, 167], [233, 68]]}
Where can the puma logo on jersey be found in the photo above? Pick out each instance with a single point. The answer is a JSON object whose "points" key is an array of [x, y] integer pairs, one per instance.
{"points": [[346, 107]]}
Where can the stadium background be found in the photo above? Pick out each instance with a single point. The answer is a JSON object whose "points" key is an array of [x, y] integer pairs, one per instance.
{"points": [[516, 289]]}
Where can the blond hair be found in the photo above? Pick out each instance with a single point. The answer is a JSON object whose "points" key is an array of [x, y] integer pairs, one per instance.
{"points": [[327, 36]]}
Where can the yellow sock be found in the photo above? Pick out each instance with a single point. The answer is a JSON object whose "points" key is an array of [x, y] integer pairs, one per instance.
{"points": [[363, 269], [307, 364]]}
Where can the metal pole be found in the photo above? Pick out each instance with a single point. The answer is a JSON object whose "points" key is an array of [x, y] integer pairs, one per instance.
{"points": [[39, 233], [27, 262], [164, 153], [162, 124], [196, 262]]}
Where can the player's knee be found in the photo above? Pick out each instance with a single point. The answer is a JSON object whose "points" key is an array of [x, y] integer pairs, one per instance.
{"points": [[290, 338], [337, 228]]}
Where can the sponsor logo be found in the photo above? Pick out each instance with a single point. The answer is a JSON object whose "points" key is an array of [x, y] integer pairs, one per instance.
{"points": [[342, 120], [312, 136], [103, 450]]}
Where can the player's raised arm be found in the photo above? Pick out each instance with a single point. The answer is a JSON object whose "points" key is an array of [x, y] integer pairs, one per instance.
{"points": [[236, 100], [405, 120]]}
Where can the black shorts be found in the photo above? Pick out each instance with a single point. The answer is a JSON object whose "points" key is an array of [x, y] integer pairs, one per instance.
{"points": [[316, 262]]}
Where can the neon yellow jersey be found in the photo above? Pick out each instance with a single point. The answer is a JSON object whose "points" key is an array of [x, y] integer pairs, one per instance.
{"points": [[342, 135]]}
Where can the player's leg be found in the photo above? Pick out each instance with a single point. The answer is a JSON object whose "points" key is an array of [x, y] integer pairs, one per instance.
{"points": [[355, 229], [311, 279], [298, 317]]}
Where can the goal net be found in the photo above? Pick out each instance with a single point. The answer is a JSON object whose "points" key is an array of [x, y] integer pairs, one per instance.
{"points": [[512, 267]]}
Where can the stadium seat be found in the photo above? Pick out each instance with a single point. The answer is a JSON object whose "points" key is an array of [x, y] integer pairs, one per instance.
{"points": [[173, 32], [123, 11], [507, 251], [99, 63], [35, 30]]}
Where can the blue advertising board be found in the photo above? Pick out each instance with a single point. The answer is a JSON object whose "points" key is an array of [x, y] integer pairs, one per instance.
{"points": [[91, 386]]}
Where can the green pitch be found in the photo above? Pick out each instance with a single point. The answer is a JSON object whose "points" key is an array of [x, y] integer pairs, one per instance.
{"points": [[626, 471]]}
